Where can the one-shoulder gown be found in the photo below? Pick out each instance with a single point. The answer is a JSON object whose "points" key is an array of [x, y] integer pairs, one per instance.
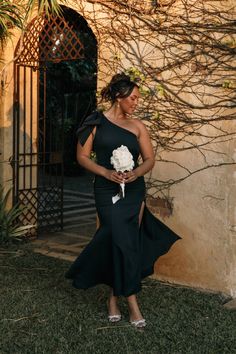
{"points": [[122, 252]]}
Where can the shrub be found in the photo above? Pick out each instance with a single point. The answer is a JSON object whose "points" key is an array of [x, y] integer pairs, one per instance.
{"points": [[10, 226]]}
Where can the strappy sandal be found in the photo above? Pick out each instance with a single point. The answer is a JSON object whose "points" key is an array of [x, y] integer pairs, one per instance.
{"points": [[139, 323], [114, 318]]}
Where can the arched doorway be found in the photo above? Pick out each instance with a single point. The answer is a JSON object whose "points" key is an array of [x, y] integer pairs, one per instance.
{"points": [[55, 88]]}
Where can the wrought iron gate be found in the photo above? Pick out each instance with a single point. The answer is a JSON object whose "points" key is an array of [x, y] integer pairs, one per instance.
{"points": [[38, 133]]}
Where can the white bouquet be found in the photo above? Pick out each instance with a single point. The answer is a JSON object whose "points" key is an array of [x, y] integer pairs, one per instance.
{"points": [[122, 160]]}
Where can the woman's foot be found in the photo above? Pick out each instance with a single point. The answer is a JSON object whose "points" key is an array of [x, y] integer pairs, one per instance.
{"points": [[136, 318], [114, 314], [139, 323], [114, 318]]}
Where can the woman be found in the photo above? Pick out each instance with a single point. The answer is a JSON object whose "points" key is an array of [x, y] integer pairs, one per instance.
{"points": [[129, 238]]}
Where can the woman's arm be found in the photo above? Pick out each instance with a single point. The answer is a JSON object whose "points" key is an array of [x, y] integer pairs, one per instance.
{"points": [[83, 157], [147, 154]]}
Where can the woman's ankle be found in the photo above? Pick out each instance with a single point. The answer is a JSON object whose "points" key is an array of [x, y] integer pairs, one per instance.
{"points": [[113, 308], [134, 311], [135, 316]]}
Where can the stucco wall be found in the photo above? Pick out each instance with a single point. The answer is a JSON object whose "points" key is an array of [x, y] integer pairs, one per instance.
{"points": [[204, 215], [6, 117]]}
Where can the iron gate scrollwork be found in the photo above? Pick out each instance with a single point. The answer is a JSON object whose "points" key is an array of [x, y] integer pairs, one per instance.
{"points": [[38, 131]]}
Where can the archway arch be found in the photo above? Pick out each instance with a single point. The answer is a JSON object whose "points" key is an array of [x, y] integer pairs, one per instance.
{"points": [[55, 87]]}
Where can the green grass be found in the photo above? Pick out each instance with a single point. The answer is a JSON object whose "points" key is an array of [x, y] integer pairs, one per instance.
{"points": [[41, 313]]}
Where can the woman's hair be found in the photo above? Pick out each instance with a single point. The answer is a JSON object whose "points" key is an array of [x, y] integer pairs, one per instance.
{"points": [[120, 86]]}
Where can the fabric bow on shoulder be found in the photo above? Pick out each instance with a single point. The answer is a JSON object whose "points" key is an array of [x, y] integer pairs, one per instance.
{"points": [[87, 126]]}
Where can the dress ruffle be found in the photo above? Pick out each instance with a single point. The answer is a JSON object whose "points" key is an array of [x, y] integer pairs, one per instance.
{"points": [[121, 259]]}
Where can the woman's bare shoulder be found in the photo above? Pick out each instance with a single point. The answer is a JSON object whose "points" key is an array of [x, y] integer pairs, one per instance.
{"points": [[139, 124]]}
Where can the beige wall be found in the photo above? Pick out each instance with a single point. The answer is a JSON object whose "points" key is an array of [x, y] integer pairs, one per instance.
{"points": [[6, 117], [204, 215], [204, 212]]}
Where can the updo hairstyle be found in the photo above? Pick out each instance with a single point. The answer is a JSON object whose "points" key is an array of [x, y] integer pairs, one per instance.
{"points": [[120, 86]]}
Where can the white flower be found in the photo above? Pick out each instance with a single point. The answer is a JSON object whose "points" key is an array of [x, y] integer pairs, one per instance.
{"points": [[122, 159]]}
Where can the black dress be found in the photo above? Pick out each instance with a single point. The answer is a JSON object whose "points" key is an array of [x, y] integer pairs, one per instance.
{"points": [[121, 252]]}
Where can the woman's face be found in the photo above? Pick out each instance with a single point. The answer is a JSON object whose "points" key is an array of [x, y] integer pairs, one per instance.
{"points": [[129, 104]]}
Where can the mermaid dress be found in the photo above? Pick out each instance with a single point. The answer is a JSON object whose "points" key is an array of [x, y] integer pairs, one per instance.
{"points": [[122, 252]]}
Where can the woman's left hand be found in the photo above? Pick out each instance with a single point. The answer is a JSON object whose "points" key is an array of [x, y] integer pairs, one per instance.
{"points": [[129, 176]]}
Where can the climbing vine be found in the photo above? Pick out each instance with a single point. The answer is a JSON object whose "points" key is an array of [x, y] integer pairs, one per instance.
{"points": [[182, 53]]}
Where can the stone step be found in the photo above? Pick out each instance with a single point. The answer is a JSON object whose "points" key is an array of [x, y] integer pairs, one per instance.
{"points": [[75, 224], [73, 193], [78, 201], [78, 207], [52, 245], [59, 255], [67, 236], [78, 212]]}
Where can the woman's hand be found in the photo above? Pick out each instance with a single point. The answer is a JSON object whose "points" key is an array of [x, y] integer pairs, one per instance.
{"points": [[130, 176], [114, 176]]}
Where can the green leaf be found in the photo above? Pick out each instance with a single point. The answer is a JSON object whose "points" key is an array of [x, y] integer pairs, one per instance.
{"points": [[10, 225], [20, 230]]}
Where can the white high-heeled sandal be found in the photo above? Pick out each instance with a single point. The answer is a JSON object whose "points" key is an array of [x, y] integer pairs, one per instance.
{"points": [[114, 318], [139, 323]]}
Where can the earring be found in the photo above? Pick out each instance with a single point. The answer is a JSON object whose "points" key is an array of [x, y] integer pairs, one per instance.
{"points": [[118, 104]]}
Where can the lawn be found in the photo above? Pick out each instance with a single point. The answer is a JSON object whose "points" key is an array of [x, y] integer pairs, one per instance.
{"points": [[41, 313]]}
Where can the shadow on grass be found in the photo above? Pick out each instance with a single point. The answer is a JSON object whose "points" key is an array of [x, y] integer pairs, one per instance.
{"points": [[41, 313]]}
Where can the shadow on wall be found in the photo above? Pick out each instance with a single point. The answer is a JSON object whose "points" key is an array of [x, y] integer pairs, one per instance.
{"points": [[8, 148]]}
